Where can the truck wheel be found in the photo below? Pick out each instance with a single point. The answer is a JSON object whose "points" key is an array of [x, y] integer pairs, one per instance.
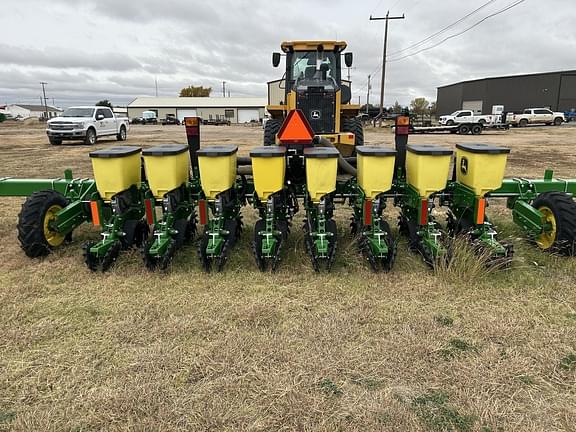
{"points": [[354, 125], [463, 129], [90, 138], [270, 130], [122, 134], [450, 123], [482, 121], [55, 141], [477, 129], [34, 232], [558, 210], [523, 123], [557, 121]]}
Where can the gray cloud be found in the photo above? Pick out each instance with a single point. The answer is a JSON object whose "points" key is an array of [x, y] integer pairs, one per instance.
{"points": [[56, 57], [103, 48]]}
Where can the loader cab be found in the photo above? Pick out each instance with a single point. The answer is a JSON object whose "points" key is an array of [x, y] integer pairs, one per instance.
{"points": [[312, 69]]}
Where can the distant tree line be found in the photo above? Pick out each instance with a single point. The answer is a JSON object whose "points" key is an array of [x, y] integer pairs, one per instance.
{"points": [[195, 91], [419, 106]]}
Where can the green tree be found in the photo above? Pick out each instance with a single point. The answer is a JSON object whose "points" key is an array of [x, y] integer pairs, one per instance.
{"points": [[433, 108], [192, 91], [396, 108], [419, 105], [105, 103]]}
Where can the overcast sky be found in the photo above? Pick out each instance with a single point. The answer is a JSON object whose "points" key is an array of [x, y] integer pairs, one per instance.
{"points": [[88, 50]]}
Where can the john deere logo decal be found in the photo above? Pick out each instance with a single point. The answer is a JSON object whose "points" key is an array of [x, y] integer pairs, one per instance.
{"points": [[315, 115], [464, 165]]}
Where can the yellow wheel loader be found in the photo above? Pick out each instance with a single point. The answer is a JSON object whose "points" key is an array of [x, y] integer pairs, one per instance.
{"points": [[313, 84]]}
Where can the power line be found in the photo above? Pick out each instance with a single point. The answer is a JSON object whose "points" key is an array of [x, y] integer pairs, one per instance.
{"points": [[443, 30], [460, 33], [375, 71]]}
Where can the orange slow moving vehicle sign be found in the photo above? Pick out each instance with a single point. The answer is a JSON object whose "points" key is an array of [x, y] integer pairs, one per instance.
{"points": [[296, 129]]}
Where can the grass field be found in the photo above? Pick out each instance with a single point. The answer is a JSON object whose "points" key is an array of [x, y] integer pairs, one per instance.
{"points": [[460, 349]]}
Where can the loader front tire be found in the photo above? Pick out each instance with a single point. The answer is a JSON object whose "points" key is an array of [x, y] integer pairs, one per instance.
{"points": [[36, 236]]}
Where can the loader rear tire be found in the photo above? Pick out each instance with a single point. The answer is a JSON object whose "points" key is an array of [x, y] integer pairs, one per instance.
{"points": [[354, 125], [559, 210], [270, 130], [34, 233]]}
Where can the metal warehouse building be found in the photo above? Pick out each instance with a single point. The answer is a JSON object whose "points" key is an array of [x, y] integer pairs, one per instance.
{"points": [[237, 110], [554, 90]]}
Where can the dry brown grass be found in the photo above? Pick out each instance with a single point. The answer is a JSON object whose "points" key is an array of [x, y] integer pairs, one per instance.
{"points": [[241, 350]]}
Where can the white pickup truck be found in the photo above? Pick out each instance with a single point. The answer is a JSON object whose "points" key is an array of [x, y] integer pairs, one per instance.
{"points": [[86, 123], [536, 116], [465, 116]]}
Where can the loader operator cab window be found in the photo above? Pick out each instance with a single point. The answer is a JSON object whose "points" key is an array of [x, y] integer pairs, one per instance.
{"points": [[314, 68]]}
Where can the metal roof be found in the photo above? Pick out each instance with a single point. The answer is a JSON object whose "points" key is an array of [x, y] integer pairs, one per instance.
{"points": [[198, 102], [38, 107]]}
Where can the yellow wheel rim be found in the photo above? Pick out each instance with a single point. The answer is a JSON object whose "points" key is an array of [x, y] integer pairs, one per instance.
{"points": [[53, 238], [547, 239]]}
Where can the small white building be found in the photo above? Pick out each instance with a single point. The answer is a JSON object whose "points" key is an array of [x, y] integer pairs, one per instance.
{"points": [[234, 109], [24, 111], [120, 111]]}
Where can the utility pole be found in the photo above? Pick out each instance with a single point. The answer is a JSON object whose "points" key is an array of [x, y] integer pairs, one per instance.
{"points": [[386, 18], [223, 88], [368, 97], [45, 104]]}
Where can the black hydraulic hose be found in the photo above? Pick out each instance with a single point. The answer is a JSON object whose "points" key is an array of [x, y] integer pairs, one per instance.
{"points": [[244, 163], [342, 163], [243, 160], [244, 170]]}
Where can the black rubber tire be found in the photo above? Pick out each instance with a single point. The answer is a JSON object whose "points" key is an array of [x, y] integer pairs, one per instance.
{"points": [[463, 129], [122, 134], [90, 138], [31, 222], [271, 128], [523, 123], [55, 141], [450, 123], [558, 121], [482, 122], [563, 208], [354, 125], [476, 129]]}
